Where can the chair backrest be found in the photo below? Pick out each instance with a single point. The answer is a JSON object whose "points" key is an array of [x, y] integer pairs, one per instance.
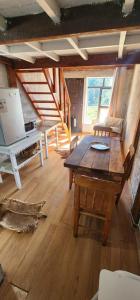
{"points": [[94, 195], [102, 130], [73, 143], [128, 163]]}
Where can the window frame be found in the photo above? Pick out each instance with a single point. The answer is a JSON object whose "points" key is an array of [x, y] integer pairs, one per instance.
{"points": [[103, 87]]}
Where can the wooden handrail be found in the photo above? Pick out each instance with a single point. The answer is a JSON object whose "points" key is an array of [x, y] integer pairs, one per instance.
{"points": [[65, 100]]}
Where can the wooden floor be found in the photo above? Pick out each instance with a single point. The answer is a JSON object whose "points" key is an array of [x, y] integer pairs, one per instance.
{"points": [[50, 263]]}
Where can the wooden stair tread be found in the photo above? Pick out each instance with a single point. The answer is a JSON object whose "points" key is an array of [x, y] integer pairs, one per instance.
{"points": [[44, 108], [47, 115], [34, 82], [39, 70], [39, 93], [42, 101]]}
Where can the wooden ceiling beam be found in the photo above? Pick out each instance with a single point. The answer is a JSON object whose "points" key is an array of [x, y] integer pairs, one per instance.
{"points": [[5, 50], [37, 46], [51, 8], [3, 23], [74, 43], [98, 44], [75, 21], [106, 60], [121, 43], [128, 7]]}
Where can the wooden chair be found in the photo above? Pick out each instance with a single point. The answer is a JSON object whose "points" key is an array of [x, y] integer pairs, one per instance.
{"points": [[73, 145], [94, 197], [102, 130], [128, 163]]}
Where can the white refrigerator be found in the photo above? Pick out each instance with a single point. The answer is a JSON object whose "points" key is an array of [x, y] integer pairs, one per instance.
{"points": [[11, 117]]}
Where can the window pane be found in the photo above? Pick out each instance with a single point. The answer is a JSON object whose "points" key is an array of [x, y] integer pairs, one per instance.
{"points": [[108, 82], [93, 96], [93, 82], [92, 103], [103, 114], [105, 97]]}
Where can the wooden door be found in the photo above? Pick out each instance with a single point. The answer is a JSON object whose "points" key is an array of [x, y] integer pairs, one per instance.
{"points": [[75, 89]]}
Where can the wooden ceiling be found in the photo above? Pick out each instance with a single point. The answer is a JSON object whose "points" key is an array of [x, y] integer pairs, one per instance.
{"points": [[83, 31]]}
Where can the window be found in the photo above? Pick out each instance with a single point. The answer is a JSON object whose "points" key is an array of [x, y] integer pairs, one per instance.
{"points": [[98, 98]]}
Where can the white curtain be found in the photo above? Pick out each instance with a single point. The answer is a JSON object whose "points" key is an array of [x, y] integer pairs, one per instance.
{"points": [[120, 93]]}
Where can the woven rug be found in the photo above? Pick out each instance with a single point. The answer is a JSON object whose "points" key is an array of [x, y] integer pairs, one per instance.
{"points": [[20, 216]]}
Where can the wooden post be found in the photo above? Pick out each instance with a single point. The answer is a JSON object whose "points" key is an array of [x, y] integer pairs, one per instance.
{"points": [[60, 91], [65, 119], [54, 80], [11, 76]]}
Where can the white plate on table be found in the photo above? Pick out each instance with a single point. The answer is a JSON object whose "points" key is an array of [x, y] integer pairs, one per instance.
{"points": [[100, 147]]}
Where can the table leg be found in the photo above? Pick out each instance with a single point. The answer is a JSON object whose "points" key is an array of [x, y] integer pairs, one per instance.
{"points": [[1, 181], [41, 153], [15, 171], [56, 135], [46, 144]]}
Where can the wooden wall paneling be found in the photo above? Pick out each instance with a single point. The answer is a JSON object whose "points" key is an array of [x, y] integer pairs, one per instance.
{"points": [[76, 89], [135, 211]]}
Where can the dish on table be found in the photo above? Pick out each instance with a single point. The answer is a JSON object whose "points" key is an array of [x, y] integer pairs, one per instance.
{"points": [[100, 147]]}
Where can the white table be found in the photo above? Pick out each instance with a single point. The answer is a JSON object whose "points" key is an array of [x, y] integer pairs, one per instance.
{"points": [[114, 286], [11, 165], [45, 128]]}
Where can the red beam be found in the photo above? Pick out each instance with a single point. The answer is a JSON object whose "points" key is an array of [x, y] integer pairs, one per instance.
{"points": [[104, 60], [30, 71], [55, 116], [34, 82], [42, 101], [39, 93], [44, 108]]}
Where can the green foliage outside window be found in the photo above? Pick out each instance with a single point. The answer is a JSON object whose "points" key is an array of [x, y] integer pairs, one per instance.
{"points": [[98, 94]]}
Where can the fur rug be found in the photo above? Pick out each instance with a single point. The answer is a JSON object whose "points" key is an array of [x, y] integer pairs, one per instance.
{"points": [[20, 216], [63, 153]]}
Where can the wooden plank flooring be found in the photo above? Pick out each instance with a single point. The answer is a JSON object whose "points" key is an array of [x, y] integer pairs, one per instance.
{"points": [[50, 264]]}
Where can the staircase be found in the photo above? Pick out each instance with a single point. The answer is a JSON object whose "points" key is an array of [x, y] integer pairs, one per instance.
{"points": [[47, 92]]}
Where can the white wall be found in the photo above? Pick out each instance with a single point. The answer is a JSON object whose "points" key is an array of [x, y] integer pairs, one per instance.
{"points": [[133, 111], [132, 118], [28, 111], [135, 175]]}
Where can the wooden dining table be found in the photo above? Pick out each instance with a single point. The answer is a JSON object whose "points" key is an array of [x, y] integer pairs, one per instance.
{"points": [[106, 164]]}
